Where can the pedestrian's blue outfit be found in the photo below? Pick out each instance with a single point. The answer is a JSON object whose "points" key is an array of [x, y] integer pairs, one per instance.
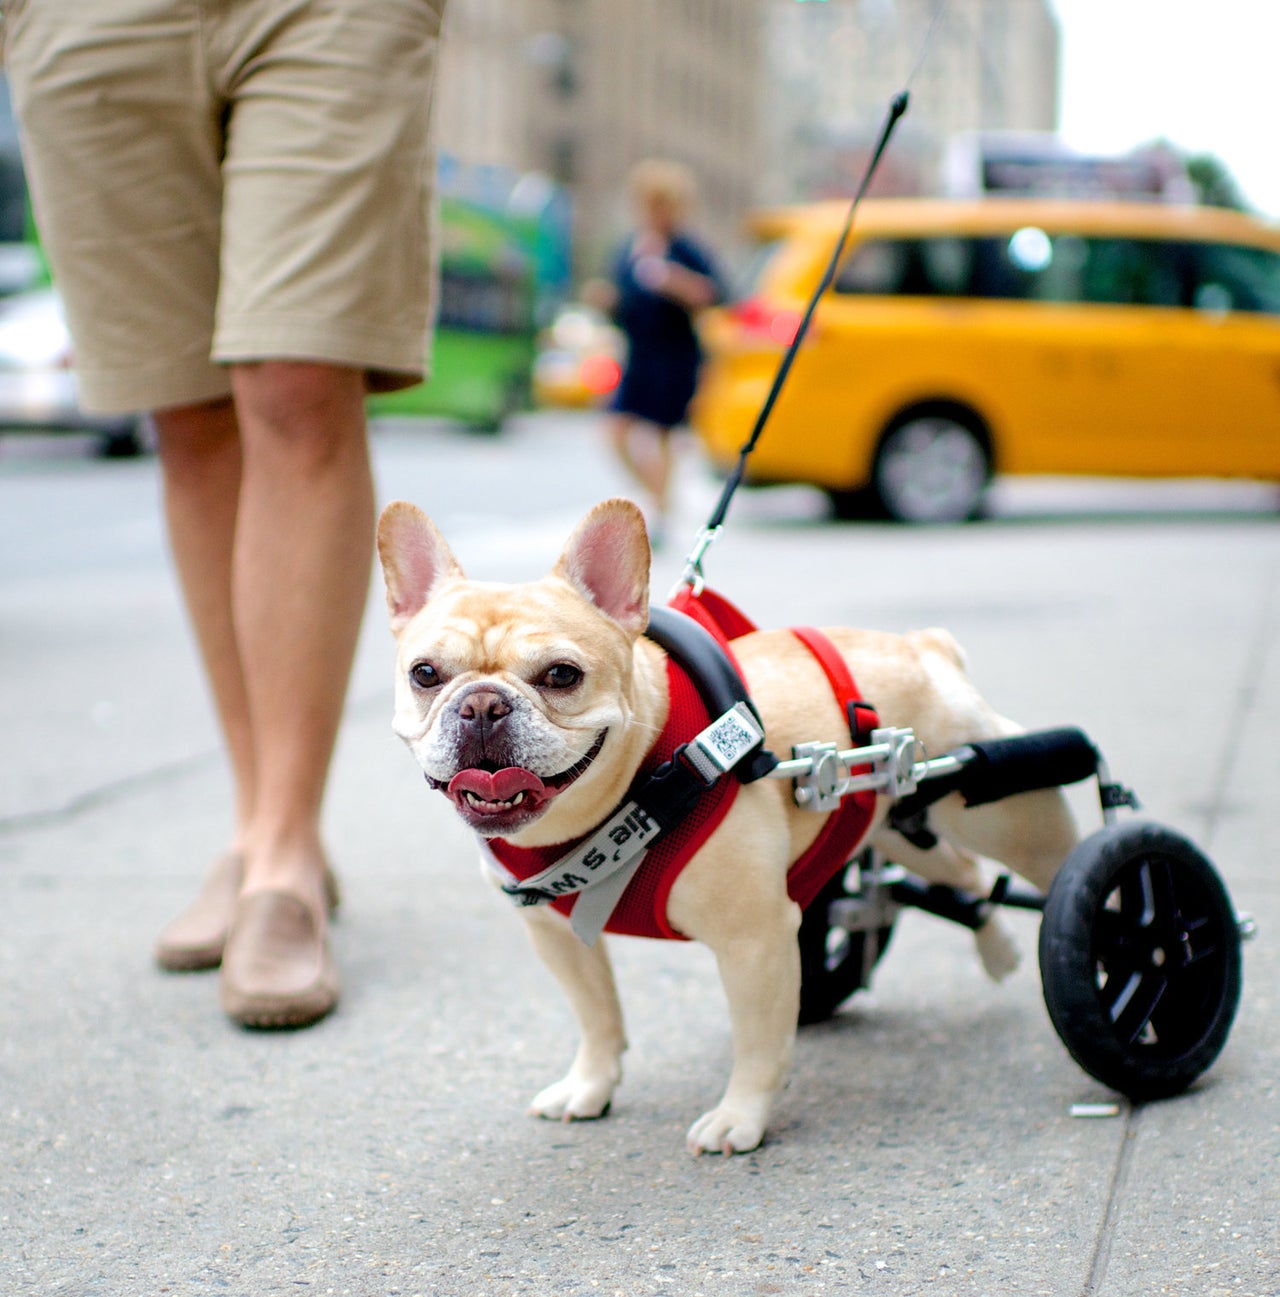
{"points": [[662, 367]]}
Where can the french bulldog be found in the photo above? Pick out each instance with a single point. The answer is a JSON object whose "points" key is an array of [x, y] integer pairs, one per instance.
{"points": [[532, 707]]}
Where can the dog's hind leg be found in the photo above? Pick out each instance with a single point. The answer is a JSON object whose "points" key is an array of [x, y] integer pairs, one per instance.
{"points": [[948, 867], [1030, 833], [586, 977]]}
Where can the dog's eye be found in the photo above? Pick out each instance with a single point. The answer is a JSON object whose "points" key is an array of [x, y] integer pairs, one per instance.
{"points": [[563, 675], [425, 676]]}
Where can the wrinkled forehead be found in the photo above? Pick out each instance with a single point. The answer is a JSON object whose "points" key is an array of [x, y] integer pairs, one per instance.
{"points": [[499, 623]]}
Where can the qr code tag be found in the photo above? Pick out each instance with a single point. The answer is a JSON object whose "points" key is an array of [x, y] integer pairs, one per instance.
{"points": [[727, 740]]}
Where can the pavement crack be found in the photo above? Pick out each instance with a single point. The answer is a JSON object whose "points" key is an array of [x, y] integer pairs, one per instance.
{"points": [[103, 794], [1115, 1195]]}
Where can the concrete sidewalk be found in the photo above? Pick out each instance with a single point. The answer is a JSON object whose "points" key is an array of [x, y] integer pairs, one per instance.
{"points": [[926, 1143]]}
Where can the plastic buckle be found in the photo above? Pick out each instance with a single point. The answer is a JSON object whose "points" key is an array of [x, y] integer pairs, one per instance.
{"points": [[1114, 795]]}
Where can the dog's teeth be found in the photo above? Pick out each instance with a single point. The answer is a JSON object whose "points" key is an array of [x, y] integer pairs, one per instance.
{"points": [[474, 799]]}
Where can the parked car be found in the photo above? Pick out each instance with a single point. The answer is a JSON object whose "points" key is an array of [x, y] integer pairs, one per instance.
{"points": [[38, 384], [580, 358], [960, 339]]}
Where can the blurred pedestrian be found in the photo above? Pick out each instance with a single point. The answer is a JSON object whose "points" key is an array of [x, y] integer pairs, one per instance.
{"points": [[661, 278], [234, 201]]}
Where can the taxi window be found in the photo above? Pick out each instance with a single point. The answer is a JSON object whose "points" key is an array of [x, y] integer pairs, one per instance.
{"points": [[1027, 264], [1075, 268], [1230, 277], [932, 267]]}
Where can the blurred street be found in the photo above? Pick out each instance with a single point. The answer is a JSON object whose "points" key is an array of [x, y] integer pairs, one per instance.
{"points": [[926, 1143]]}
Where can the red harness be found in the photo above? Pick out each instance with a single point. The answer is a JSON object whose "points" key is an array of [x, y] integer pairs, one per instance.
{"points": [[642, 910]]}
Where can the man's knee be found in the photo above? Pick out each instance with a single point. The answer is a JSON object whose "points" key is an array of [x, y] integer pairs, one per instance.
{"points": [[303, 402], [189, 434]]}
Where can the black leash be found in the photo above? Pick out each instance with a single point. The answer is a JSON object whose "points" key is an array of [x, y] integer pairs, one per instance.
{"points": [[692, 575]]}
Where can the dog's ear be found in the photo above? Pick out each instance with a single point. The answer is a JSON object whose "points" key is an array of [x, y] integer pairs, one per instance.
{"points": [[415, 559], [607, 559]]}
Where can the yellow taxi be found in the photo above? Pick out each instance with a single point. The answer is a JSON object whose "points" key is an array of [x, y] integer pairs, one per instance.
{"points": [[965, 338]]}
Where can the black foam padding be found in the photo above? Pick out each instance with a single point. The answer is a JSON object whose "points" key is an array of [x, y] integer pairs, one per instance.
{"points": [[1043, 759], [714, 676]]}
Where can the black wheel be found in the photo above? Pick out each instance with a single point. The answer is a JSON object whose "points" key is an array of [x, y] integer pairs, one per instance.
{"points": [[1140, 959], [834, 963], [931, 466]]}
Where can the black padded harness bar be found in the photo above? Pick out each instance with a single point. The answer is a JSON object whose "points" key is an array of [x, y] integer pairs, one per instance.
{"points": [[1043, 759], [714, 676], [996, 768]]}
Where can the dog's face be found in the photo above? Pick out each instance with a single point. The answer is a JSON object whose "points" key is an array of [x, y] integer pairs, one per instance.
{"points": [[513, 697]]}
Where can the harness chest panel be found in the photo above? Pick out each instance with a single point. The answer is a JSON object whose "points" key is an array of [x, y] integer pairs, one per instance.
{"points": [[843, 832], [642, 911]]}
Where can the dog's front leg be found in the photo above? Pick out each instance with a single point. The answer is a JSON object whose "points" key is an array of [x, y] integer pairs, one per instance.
{"points": [[586, 976], [753, 937], [761, 976]]}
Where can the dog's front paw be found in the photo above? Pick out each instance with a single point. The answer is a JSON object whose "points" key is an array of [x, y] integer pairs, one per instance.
{"points": [[575, 1098], [728, 1129]]}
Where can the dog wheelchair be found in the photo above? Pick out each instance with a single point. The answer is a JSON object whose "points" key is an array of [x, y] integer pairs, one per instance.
{"points": [[1139, 949], [1139, 946]]}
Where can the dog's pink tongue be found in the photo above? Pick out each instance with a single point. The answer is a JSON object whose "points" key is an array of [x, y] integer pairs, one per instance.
{"points": [[498, 786]]}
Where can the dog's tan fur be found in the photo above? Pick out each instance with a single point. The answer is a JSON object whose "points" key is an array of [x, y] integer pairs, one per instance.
{"points": [[591, 612]]}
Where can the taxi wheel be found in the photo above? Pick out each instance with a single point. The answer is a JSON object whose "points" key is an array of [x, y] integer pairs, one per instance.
{"points": [[931, 466]]}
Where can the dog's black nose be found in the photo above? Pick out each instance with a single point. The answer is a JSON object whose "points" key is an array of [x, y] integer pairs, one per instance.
{"points": [[482, 712]]}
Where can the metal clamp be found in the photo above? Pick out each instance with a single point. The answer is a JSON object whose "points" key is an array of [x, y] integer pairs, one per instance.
{"points": [[823, 774]]}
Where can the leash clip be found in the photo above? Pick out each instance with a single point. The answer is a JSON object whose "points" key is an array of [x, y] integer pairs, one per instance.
{"points": [[692, 576]]}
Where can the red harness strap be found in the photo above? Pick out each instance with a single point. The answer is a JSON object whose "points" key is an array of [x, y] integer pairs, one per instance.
{"points": [[843, 832]]}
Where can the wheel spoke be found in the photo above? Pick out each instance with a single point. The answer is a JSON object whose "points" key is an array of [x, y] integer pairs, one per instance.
{"points": [[1111, 936], [1137, 895], [1159, 885], [1136, 1001], [1203, 940]]}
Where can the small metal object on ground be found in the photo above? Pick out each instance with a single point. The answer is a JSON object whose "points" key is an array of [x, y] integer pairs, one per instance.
{"points": [[1095, 1109]]}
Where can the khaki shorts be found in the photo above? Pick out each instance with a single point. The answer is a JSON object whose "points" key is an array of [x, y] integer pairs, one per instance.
{"points": [[230, 180]]}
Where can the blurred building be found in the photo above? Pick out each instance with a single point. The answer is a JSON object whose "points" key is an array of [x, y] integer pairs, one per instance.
{"points": [[833, 68], [581, 89]]}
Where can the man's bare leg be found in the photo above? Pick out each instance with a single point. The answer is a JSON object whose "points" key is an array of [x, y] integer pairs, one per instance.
{"points": [[201, 462], [301, 568], [279, 647]]}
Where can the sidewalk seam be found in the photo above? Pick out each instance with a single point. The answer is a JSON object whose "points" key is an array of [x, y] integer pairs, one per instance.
{"points": [[102, 794], [1111, 1217]]}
